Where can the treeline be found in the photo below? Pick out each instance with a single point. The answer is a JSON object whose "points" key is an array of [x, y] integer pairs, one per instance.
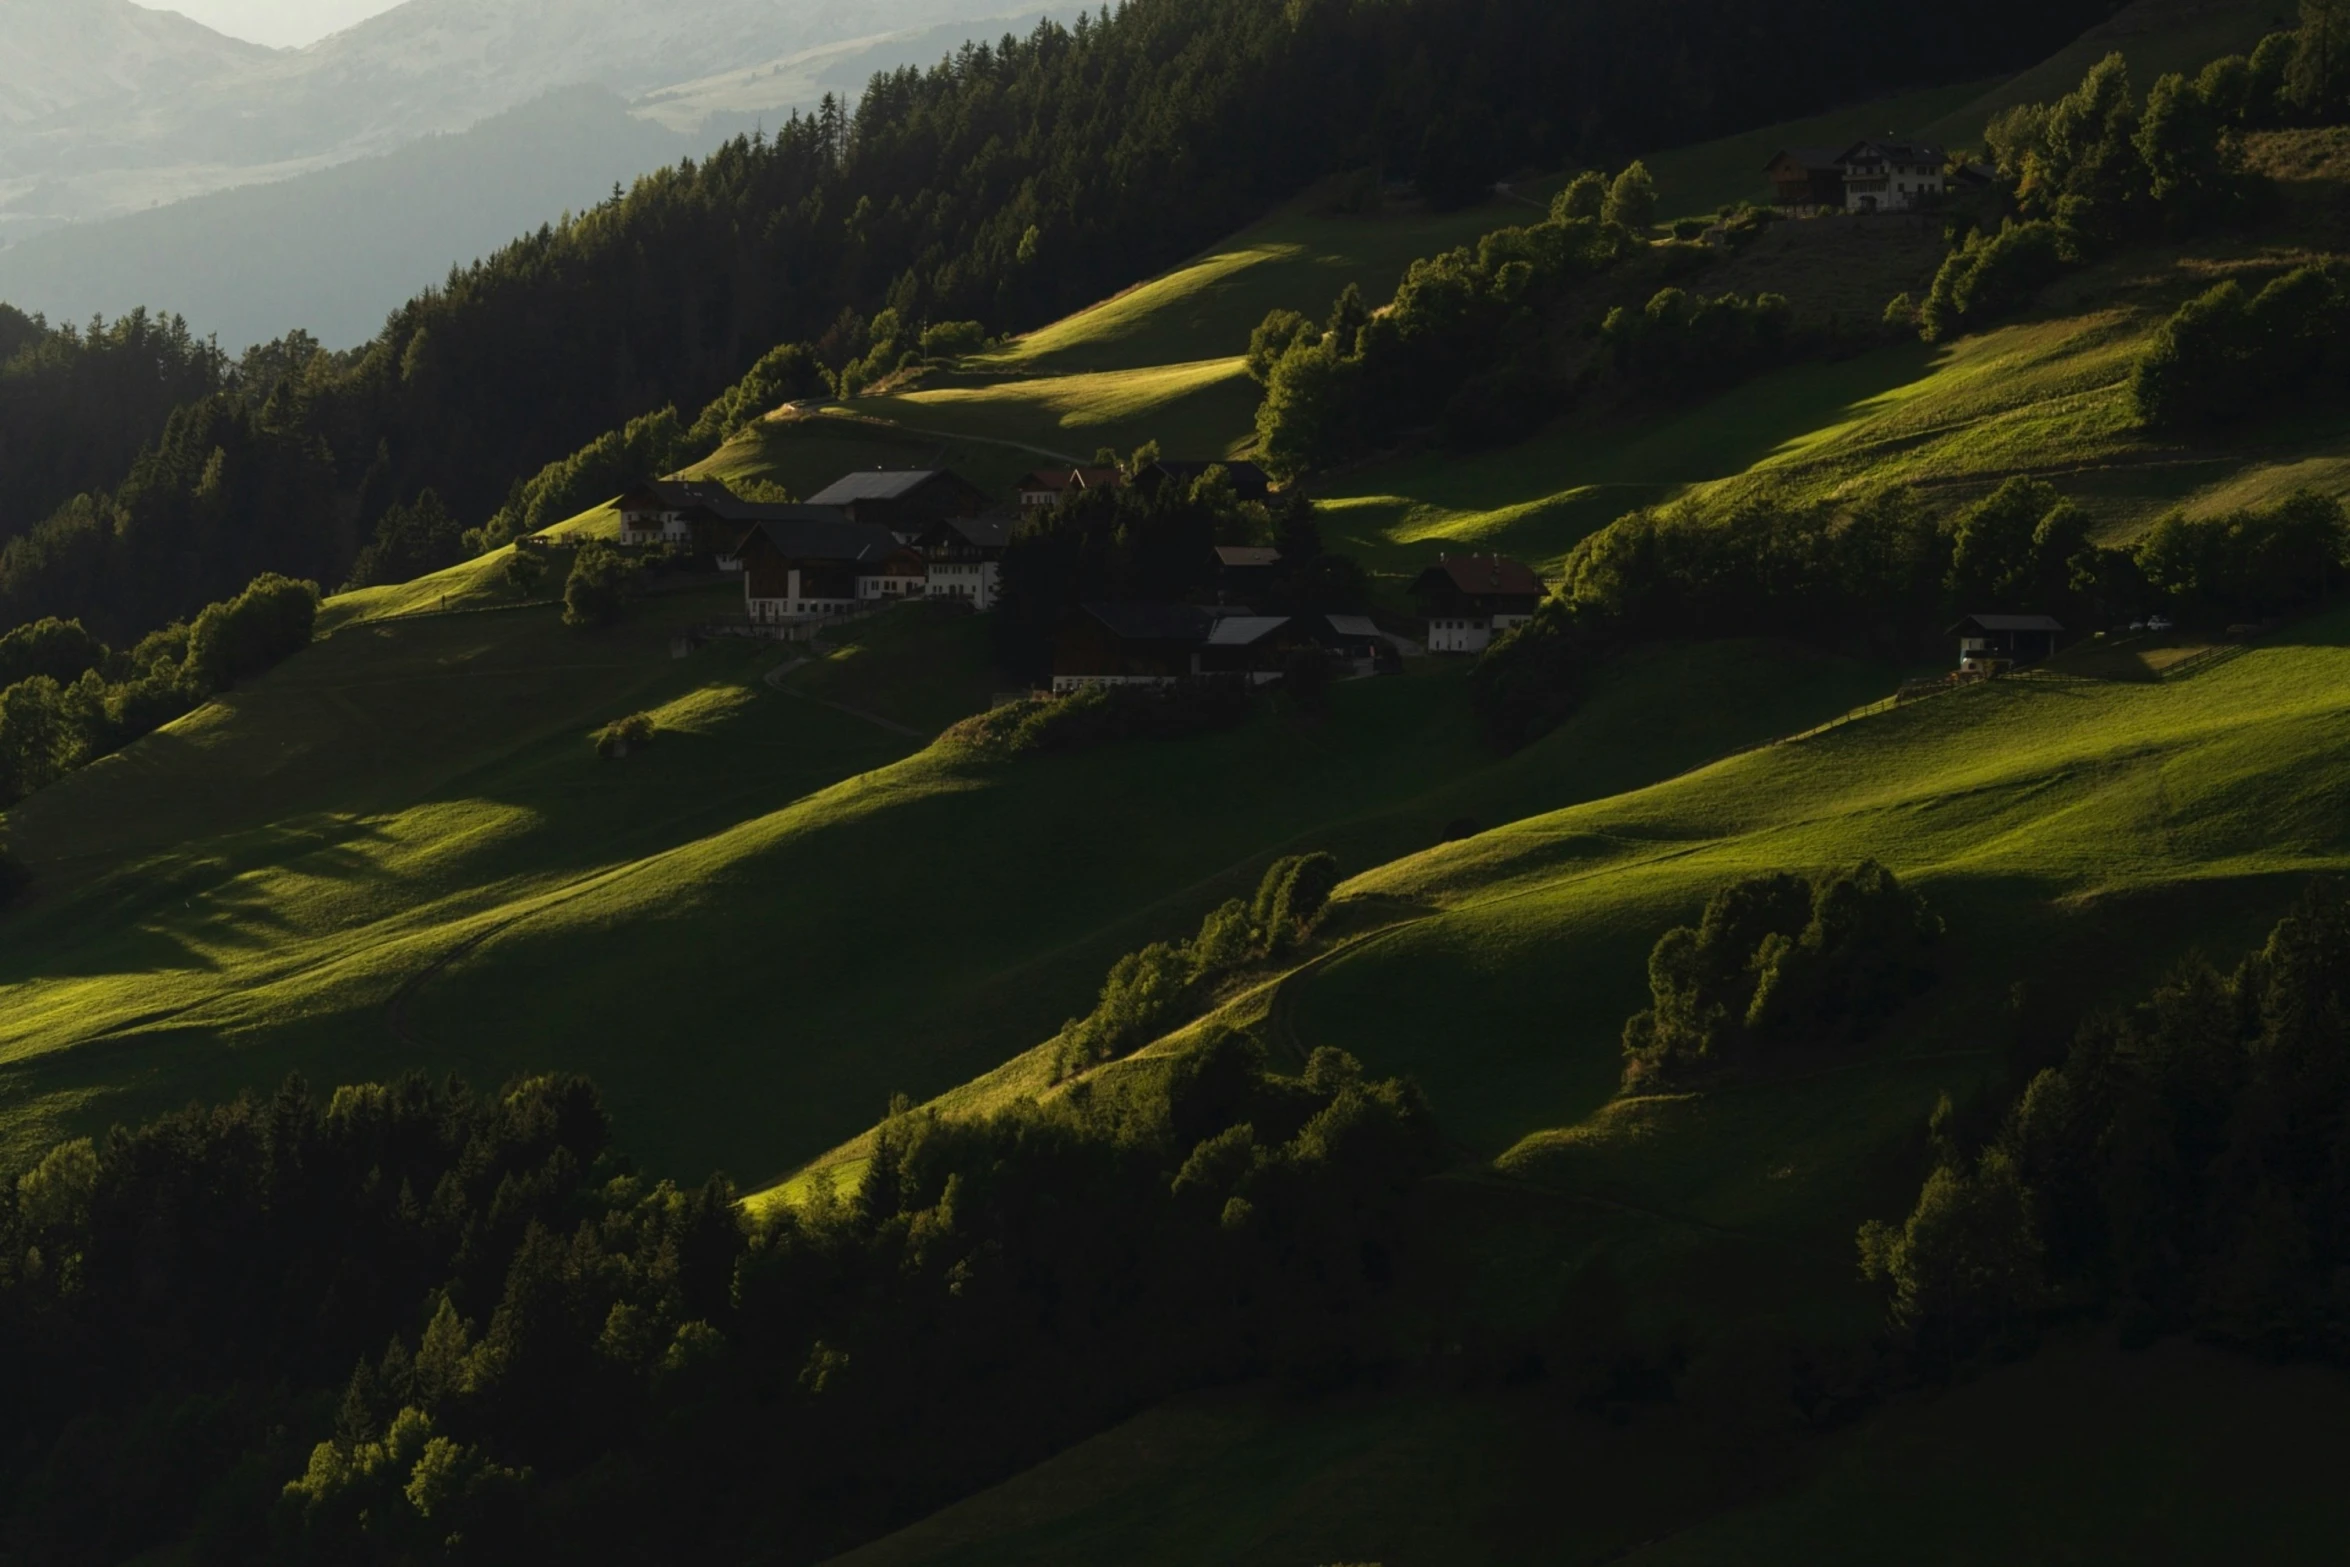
{"points": [[1776, 967], [1883, 576], [1155, 542], [1006, 185], [67, 699], [77, 406], [2098, 168], [2181, 1170], [1152, 991], [1464, 347], [407, 1324], [2228, 356], [1482, 345]]}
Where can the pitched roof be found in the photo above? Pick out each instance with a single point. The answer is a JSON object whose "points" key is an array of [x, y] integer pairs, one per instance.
{"points": [[1354, 626], [1244, 630], [1486, 574], [1153, 622], [990, 530], [1245, 555], [812, 533], [1808, 157], [2006, 623], [876, 484], [1889, 150], [679, 494], [1054, 479]]}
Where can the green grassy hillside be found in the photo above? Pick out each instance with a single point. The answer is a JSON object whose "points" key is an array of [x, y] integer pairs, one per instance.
{"points": [[2085, 1454], [398, 849]]}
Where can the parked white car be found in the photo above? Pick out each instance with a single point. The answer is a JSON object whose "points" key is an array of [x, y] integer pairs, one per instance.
{"points": [[2158, 623]]}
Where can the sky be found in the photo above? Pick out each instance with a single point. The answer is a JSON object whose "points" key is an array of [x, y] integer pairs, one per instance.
{"points": [[279, 23]]}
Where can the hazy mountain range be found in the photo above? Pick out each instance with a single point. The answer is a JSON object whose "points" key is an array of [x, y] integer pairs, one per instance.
{"points": [[386, 152]]}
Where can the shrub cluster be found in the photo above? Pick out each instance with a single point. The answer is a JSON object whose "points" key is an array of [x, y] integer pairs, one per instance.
{"points": [[1151, 991], [624, 735], [407, 1324], [1683, 342], [70, 699], [1095, 716], [2181, 1169], [1463, 347], [1778, 964], [2228, 356], [2096, 169], [602, 581]]}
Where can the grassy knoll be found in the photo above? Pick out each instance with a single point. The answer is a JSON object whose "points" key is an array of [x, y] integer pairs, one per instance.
{"points": [[2177, 1454], [1300, 259]]}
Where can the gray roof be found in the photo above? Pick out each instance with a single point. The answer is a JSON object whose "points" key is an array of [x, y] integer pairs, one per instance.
{"points": [[2007, 623], [877, 484], [1354, 626], [990, 531], [1892, 151], [815, 534], [1245, 555], [1244, 630]]}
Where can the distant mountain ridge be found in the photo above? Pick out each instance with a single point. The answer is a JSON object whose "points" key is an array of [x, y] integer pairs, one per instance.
{"points": [[57, 55], [106, 107]]}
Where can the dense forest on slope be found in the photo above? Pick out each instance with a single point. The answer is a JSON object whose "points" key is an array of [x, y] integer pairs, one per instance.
{"points": [[1006, 184]]}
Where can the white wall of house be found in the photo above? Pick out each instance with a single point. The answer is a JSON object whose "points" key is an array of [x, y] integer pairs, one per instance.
{"points": [[1904, 187], [890, 588], [647, 527], [974, 582], [1465, 633]]}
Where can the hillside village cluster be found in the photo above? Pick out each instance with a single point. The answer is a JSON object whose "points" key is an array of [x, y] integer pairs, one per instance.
{"points": [[885, 536]]}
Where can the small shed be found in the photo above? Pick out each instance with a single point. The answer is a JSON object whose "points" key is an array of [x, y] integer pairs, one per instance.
{"points": [[1807, 176], [1245, 572], [1988, 640]]}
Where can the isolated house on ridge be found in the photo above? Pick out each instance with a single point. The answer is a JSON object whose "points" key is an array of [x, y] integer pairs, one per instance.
{"points": [[1892, 176], [1468, 600]]}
